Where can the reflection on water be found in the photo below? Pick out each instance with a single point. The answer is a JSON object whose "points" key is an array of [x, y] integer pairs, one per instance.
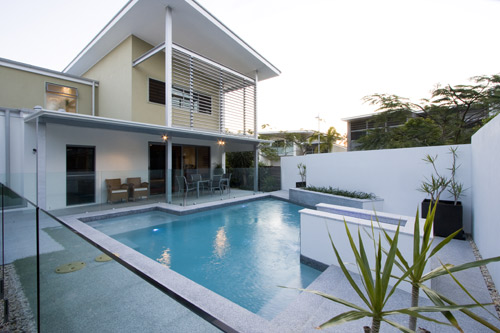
{"points": [[221, 243], [165, 258]]}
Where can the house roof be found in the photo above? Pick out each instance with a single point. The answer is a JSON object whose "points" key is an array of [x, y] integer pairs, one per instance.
{"points": [[363, 116], [47, 72], [193, 28], [278, 133], [369, 115]]}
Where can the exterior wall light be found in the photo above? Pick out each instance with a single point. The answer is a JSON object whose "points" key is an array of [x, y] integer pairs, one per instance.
{"points": [[164, 137], [221, 142]]}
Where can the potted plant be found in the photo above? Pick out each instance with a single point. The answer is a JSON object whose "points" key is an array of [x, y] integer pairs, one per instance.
{"points": [[449, 213], [218, 169], [302, 173]]}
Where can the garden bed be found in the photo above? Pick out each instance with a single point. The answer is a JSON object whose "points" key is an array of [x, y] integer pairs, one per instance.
{"points": [[310, 199]]}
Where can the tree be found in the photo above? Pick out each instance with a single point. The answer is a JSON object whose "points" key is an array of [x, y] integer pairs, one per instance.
{"points": [[452, 115], [297, 139], [327, 139]]}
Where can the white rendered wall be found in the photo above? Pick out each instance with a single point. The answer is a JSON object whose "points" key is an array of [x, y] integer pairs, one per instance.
{"points": [[315, 243], [392, 174], [27, 169], [19, 181], [117, 155], [486, 193]]}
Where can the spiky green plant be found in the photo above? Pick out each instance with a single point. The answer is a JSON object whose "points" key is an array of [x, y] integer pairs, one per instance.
{"points": [[375, 290], [423, 251]]}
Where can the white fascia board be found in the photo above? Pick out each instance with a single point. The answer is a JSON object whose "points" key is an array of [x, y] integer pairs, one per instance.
{"points": [[369, 115], [230, 33], [360, 116], [135, 125], [101, 33], [46, 72]]}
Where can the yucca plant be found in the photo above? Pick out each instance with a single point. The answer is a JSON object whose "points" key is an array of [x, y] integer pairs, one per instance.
{"points": [[423, 251], [375, 290]]}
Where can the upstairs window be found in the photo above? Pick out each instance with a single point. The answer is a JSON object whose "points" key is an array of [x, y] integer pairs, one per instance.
{"points": [[60, 97], [156, 91], [181, 97]]}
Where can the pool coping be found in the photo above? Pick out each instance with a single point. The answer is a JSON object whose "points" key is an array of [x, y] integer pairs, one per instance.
{"points": [[219, 311]]}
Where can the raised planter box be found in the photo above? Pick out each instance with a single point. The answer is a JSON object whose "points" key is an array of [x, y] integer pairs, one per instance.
{"points": [[311, 199], [316, 248]]}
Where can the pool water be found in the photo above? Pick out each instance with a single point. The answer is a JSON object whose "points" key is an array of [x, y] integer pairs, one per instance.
{"points": [[242, 252]]}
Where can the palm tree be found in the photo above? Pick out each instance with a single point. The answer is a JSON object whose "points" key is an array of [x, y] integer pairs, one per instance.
{"points": [[326, 139]]}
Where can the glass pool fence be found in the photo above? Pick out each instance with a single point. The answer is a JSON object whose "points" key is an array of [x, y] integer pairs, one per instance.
{"points": [[53, 280]]}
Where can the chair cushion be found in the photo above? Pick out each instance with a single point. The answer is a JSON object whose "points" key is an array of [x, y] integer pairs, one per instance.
{"points": [[118, 191], [141, 189]]}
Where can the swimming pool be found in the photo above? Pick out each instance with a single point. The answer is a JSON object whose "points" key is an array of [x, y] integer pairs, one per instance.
{"points": [[242, 252]]}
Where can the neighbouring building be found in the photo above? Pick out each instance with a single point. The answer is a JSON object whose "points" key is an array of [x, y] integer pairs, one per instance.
{"points": [[281, 147], [358, 126]]}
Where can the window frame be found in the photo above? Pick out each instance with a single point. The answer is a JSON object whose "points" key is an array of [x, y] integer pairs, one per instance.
{"points": [[181, 98], [61, 95]]}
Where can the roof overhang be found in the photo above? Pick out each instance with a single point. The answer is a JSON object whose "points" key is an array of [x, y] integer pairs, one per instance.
{"points": [[193, 28], [80, 120], [369, 115], [46, 72]]}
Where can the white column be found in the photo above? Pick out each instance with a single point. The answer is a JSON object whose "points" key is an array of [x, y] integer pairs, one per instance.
{"points": [[168, 66], [255, 104], [41, 183], [168, 167], [256, 152], [93, 98], [7, 148], [256, 169], [223, 160]]}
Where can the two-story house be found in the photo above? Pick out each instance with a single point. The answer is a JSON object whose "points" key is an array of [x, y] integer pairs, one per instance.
{"points": [[164, 89]]}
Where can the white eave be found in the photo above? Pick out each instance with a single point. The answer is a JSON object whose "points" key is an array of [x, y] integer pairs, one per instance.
{"points": [[81, 120], [193, 28], [46, 72]]}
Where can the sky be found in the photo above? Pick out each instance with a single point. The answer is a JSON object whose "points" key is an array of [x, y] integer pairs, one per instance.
{"points": [[331, 53]]}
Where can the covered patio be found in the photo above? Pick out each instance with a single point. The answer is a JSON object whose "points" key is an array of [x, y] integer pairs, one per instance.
{"points": [[120, 150]]}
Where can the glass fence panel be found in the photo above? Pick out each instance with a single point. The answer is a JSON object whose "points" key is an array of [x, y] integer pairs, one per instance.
{"points": [[83, 291], [19, 246], [23, 184], [269, 178], [127, 188]]}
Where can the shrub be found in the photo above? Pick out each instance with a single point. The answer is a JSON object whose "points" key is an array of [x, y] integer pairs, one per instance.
{"points": [[344, 193]]}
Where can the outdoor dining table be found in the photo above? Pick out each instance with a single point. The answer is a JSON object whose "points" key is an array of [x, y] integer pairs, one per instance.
{"points": [[198, 182]]}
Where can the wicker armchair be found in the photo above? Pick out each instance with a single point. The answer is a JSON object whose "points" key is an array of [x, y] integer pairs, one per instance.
{"points": [[116, 190], [137, 189]]}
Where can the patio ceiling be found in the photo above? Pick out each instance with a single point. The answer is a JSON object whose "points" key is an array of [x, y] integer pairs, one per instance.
{"points": [[193, 28], [80, 120]]}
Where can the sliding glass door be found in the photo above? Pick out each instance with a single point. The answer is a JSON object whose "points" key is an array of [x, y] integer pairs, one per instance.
{"points": [[80, 175]]}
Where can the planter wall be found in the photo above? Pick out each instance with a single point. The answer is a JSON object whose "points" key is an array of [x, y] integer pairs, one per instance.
{"points": [[311, 199], [315, 243], [392, 174]]}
